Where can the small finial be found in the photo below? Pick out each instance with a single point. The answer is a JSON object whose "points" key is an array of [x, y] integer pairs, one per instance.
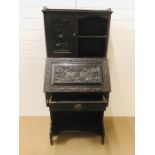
{"points": [[44, 8]]}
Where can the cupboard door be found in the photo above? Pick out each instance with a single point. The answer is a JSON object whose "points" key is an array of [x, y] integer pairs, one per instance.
{"points": [[60, 32]]}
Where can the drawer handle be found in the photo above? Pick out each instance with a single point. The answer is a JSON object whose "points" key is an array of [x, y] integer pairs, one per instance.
{"points": [[77, 107]]}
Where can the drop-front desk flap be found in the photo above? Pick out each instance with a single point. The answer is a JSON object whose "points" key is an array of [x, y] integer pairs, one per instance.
{"points": [[76, 75]]}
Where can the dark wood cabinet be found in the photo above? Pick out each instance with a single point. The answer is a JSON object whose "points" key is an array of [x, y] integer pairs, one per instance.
{"points": [[77, 80]]}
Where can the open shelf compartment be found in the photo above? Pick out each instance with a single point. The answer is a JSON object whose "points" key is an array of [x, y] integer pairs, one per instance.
{"points": [[92, 47], [89, 26]]}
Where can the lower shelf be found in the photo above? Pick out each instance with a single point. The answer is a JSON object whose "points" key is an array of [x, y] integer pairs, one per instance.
{"points": [[77, 122]]}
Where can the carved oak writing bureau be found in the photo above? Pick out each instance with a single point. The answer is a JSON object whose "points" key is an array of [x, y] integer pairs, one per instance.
{"points": [[77, 82]]}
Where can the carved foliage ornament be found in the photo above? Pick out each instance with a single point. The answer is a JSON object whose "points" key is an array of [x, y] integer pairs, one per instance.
{"points": [[61, 34], [76, 74]]}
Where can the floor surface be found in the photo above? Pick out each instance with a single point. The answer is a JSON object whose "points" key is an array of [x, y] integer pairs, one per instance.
{"points": [[119, 138]]}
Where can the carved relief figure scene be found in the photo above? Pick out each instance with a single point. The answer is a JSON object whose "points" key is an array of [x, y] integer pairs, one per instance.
{"points": [[76, 74]]}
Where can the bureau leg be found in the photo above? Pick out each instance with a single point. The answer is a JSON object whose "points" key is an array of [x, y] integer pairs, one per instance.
{"points": [[102, 133], [102, 138], [51, 135], [51, 139]]}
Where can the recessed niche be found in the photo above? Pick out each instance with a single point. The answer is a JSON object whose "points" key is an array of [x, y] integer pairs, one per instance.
{"points": [[92, 47], [93, 26]]}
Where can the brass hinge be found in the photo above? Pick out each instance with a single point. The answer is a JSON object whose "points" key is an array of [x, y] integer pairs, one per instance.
{"points": [[49, 101], [105, 100]]}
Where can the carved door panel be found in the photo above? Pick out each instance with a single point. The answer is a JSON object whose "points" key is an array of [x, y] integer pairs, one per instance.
{"points": [[61, 35]]}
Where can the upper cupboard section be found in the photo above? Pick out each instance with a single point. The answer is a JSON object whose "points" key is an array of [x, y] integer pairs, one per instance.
{"points": [[76, 33]]}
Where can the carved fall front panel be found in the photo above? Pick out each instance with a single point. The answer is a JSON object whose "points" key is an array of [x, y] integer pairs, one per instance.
{"points": [[76, 74]]}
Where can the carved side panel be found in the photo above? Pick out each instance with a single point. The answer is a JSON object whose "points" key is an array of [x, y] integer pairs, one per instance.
{"points": [[62, 35]]}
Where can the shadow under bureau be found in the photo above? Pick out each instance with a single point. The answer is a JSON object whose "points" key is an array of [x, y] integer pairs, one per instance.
{"points": [[77, 80]]}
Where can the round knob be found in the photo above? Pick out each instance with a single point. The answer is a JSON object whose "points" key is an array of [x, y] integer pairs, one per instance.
{"points": [[74, 34]]}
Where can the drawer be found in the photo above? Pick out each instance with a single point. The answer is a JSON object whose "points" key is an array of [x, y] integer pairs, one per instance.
{"points": [[78, 107], [74, 105]]}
